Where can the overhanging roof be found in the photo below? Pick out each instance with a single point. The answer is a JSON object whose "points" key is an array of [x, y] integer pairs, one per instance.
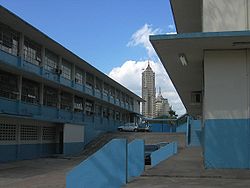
{"points": [[189, 78], [187, 15]]}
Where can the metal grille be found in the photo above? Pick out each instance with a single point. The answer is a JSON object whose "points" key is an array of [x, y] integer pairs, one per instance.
{"points": [[79, 76], [49, 133], [8, 40], [32, 52], [28, 132], [51, 60], [66, 70], [7, 132]]}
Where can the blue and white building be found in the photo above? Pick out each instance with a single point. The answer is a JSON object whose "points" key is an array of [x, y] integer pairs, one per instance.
{"points": [[51, 100], [208, 61]]}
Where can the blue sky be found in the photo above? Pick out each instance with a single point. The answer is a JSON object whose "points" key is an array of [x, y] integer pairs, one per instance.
{"points": [[97, 31], [111, 35]]}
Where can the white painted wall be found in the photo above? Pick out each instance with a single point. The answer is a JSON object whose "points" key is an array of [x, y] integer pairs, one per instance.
{"points": [[225, 15], [73, 133], [226, 85]]}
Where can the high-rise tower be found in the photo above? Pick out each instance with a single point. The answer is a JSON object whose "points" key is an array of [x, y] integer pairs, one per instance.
{"points": [[148, 92]]}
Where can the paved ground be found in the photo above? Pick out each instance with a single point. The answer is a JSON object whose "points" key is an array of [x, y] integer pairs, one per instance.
{"points": [[186, 170], [51, 172]]}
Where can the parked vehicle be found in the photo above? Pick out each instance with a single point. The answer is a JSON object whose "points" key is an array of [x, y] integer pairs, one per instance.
{"points": [[148, 149], [143, 128], [130, 127]]}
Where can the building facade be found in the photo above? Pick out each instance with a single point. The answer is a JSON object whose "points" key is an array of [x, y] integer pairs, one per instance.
{"points": [[162, 107], [52, 101], [208, 62], [148, 92]]}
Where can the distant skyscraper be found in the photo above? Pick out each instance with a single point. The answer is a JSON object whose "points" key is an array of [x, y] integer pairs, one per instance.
{"points": [[162, 107], [148, 92]]}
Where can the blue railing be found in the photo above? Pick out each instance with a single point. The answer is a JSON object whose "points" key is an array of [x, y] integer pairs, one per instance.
{"points": [[46, 113]]}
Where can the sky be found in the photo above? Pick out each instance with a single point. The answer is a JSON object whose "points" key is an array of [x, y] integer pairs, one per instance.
{"points": [[111, 35]]}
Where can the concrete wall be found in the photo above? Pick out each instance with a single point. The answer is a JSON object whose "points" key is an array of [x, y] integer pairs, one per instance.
{"points": [[226, 109], [226, 92], [135, 159], [163, 153], [106, 168], [225, 15]]}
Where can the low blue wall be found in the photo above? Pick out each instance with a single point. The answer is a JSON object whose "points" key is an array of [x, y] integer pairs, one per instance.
{"points": [[181, 128], [135, 159], [195, 132], [227, 143], [163, 153], [159, 127], [106, 168]]}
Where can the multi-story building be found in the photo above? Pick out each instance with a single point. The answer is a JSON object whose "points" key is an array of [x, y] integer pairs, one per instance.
{"points": [[162, 107], [51, 100], [148, 92], [208, 62]]}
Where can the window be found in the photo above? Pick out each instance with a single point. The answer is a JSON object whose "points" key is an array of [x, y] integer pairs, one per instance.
{"points": [[112, 91], [123, 97], [196, 97], [78, 104], [9, 40], [8, 83], [30, 91], [66, 70], [118, 94], [28, 133], [105, 112], [117, 115], [7, 132], [32, 52], [106, 89], [89, 79], [66, 101], [79, 76], [98, 109], [89, 107], [98, 84], [50, 97], [51, 61]]}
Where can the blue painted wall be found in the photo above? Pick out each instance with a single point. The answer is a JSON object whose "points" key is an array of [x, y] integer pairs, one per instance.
{"points": [[26, 151], [181, 128], [227, 143], [162, 127], [163, 153], [106, 168], [195, 133], [135, 159]]}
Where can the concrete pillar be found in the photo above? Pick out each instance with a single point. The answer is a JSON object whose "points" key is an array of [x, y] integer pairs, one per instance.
{"points": [[41, 93], [73, 76], [43, 57], [59, 98], [21, 46], [19, 97]]}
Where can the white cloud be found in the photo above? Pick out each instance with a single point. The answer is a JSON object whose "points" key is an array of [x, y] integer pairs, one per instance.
{"points": [[141, 38], [171, 27], [129, 75]]}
